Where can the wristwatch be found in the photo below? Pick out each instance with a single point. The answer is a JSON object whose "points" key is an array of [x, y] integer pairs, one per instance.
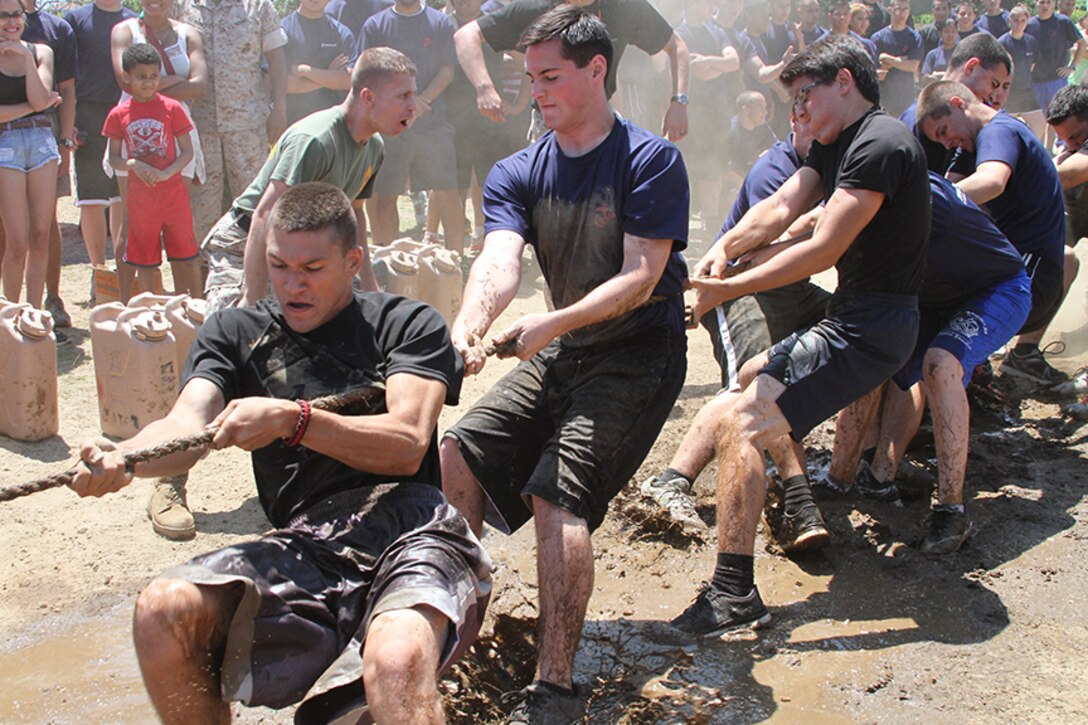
{"points": [[682, 99]]}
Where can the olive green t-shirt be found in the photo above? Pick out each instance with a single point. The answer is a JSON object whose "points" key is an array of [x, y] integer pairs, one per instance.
{"points": [[318, 147]]}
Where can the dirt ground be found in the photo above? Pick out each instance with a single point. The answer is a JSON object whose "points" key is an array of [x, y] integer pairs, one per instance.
{"points": [[870, 630]]}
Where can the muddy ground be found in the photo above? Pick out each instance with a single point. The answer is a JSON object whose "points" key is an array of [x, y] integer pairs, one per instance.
{"points": [[869, 630]]}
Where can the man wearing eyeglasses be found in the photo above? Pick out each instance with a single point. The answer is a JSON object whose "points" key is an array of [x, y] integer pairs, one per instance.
{"points": [[871, 172]]}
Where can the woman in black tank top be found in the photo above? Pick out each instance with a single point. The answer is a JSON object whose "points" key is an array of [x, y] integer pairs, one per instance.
{"points": [[28, 156]]}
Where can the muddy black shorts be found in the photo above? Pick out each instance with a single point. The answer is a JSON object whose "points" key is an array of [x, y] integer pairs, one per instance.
{"points": [[571, 426], [1047, 289], [738, 332], [312, 589], [863, 341], [793, 308]]}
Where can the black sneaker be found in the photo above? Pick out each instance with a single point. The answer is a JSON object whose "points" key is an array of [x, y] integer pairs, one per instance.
{"points": [[869, 487], [715, 612], [948, 531], [1033, 366], [802, 531], [541, 705], [827, 489]]}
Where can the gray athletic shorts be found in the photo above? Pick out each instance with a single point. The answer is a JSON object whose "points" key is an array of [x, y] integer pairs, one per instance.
{"points": [[863, 341], [311, 590], [571, 426]]}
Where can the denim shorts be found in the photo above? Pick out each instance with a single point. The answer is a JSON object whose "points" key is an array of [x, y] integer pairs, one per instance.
{"points": [[27, 149]]}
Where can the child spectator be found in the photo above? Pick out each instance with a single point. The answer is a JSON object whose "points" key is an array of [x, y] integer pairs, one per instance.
{"points": [[749, 136], [157, 203]]}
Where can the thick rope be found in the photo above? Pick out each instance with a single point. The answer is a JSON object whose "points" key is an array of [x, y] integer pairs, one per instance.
{"points": [[367, 399]]}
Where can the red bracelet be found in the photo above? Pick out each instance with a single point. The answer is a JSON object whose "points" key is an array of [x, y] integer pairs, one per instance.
{"points": [[301, 424]]}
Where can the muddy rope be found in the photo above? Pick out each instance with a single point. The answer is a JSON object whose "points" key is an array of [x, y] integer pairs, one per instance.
{"points": [[362, 400]]}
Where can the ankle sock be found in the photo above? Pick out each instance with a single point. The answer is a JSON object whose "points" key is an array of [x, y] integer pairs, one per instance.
{"points": [[671, 473], [1025, 348], [796, 493], [734, 574], [563, 691], [868, 455], [956, 508]]}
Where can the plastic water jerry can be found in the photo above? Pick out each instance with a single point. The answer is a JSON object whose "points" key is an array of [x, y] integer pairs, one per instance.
{"points": [[135, 366], [28, 373]]}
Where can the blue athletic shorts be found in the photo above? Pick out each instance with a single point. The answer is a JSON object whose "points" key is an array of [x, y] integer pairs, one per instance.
{"points": [[971, 331]]}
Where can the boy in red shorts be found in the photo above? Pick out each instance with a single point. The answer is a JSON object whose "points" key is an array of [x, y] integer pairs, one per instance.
{"points": [[142, 131]]}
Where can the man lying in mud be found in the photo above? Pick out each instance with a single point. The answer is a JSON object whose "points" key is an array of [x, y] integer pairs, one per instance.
{"points": [[871, 173], [605, 205], [371, 582]]}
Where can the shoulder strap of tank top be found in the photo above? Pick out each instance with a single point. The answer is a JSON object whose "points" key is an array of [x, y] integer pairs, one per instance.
{"points": [[157, 44]]}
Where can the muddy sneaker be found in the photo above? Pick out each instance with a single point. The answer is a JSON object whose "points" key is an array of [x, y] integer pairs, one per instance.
{"points": [[714, 612], [538, 704], [1075, 386], [168, 510], [55, 306], [827, 488], [869, 487], [948, 531], [1033, 366], [804, 530], [676, 497]]}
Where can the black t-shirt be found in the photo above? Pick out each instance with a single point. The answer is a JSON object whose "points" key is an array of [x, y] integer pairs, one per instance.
{"points": [[629, 22], [252, 352], [878, 153]]}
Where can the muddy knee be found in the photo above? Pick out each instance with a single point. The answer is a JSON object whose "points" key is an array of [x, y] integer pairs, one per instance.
{"points": [[176, 620]]}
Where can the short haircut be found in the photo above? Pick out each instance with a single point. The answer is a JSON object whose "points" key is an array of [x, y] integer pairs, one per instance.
{"points": [[946, 23], [823, 60], [967, 4], [936, 99], [314, 206], [1020, 9], [140, 54], [749, 97], [582, 36], [1068, 102], [856, 8], [983, 46], [376, 65]]}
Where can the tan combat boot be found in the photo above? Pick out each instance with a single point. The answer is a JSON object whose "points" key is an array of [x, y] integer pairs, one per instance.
{"points": [[169, 511]]}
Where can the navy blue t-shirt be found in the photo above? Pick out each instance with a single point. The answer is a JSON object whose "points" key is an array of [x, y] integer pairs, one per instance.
{"points": [[811, 36], [745, 145], [897, 88], [1023, 52], [1031, 211], [352, 14], [94, 74], [937, 61], [967, 253], [1055, 36], [48, 29], [315, 42], [426, 38], [777, 40], [995, 25], [869, 46], [713, 98], [575, 212], [768, 173]]}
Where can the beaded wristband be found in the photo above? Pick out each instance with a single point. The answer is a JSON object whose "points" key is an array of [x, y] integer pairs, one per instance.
{"points": [[301, 424]]}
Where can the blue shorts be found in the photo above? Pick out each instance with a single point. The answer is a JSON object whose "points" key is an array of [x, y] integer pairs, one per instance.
{"points": [[971, 331], [1046, 90], [27, 149]]}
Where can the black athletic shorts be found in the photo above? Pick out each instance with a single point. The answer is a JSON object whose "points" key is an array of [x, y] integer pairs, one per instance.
{"points": [[792, 308], [93, 187], [312, 589], [863, 341], [571, 425], [1047, 288], [738, 332]]}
